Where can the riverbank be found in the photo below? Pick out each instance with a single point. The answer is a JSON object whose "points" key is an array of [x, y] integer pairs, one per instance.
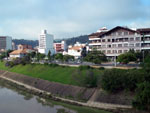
{"points": [[13, 93], [29, 83]]}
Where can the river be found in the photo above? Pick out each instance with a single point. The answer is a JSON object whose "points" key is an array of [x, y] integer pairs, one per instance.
{"points": [[13, 101]]}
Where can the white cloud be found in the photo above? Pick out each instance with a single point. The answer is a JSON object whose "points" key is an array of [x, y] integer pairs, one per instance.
{"points": [[67, 18]]}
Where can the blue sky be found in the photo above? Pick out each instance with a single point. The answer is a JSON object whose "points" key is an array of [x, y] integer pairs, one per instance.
{"points": [[68, 18]]}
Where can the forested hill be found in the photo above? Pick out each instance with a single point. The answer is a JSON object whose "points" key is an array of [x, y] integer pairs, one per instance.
{"points": [[33, 43], [69, 41], [81, 39]]}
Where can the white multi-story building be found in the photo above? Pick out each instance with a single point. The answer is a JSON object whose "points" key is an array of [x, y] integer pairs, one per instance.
{"points": [[120, 40], [46, 43], [5, 43]]}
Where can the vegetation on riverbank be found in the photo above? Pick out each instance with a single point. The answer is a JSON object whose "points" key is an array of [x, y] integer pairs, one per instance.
{"points": [[61, 74], [112, 80]]}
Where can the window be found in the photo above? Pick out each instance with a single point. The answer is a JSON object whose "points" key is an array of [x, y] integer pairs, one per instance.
{"points": [[108, 40], [114, 51], [119, 51], [126, 33], [108, 51], [119, 33], [119, 45], [125, 45], [114, 45], [109, 46], [103, 40], [137, 38], [103, 46], [131, 39], [137, 44], [113, 40], [125, 51], [131, 45], [126, 39]]}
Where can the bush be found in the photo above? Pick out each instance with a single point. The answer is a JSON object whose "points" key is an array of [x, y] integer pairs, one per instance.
{"points": [[83, 67], [113, 80], [116, 80], [142, 98], [53, 65], [101, 68], [9, 64], [126, 57], [86, 80]]}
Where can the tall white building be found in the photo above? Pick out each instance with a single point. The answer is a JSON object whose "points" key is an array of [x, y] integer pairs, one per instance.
{"points": [[5, 42], [46, 43]]}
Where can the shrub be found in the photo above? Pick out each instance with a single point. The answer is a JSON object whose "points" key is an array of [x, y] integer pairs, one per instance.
{"points": [[53, 65], [9, 64], [113, 80], [86, 80], [126, 57], [142, 98], [83, 67], [101, 68]]}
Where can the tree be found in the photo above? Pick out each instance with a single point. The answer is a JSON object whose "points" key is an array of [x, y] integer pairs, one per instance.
{"points": [[146, 64], [67, 58], [40, 56], [126, 57], [59, 56], [83, 53], [49, 55], [142, 98], [95, 56]]}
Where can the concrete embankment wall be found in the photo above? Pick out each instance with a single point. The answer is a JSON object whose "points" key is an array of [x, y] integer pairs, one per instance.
{"points": [[62, 90]]}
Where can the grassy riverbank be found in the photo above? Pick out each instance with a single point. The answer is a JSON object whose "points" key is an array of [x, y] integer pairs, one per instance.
{"points": [[59, 74]]}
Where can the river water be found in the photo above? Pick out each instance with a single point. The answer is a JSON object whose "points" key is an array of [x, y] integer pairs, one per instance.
{"points": [[13, 101]]}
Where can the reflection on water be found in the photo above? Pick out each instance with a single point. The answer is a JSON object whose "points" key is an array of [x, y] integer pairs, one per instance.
{"points": [[12, 101]]}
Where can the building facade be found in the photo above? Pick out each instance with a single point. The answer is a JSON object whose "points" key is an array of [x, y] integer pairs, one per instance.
{"points": [[76, 50], [60, 47], [23, 46], [46, 43], [5, 43], [120, 40]]}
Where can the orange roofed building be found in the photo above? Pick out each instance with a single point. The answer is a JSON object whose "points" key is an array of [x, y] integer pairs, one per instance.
{"points": [[22, 51], [18, 53], [76, 50]]}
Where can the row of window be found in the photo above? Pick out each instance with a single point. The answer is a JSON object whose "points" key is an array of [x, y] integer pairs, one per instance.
{"points": [[117, 45], [117, 40], [115, 51]]}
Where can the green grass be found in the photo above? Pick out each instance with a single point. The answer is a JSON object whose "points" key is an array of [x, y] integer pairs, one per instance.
{"points": [[56, 74]]}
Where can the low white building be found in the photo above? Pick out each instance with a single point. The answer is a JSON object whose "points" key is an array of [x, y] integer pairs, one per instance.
{"points": [[76, 50], [18, 53], [46, 43]]}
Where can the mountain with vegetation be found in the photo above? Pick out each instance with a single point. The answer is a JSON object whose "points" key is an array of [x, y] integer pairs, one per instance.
{"points": [[81, 39], [33, 43], [69, 41]]}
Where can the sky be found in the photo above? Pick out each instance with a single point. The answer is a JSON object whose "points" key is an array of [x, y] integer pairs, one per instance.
{"points": [[24, 19]]}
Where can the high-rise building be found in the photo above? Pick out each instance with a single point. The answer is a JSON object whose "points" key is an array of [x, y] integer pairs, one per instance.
{"points": [[5, 43], [46, 43]]}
